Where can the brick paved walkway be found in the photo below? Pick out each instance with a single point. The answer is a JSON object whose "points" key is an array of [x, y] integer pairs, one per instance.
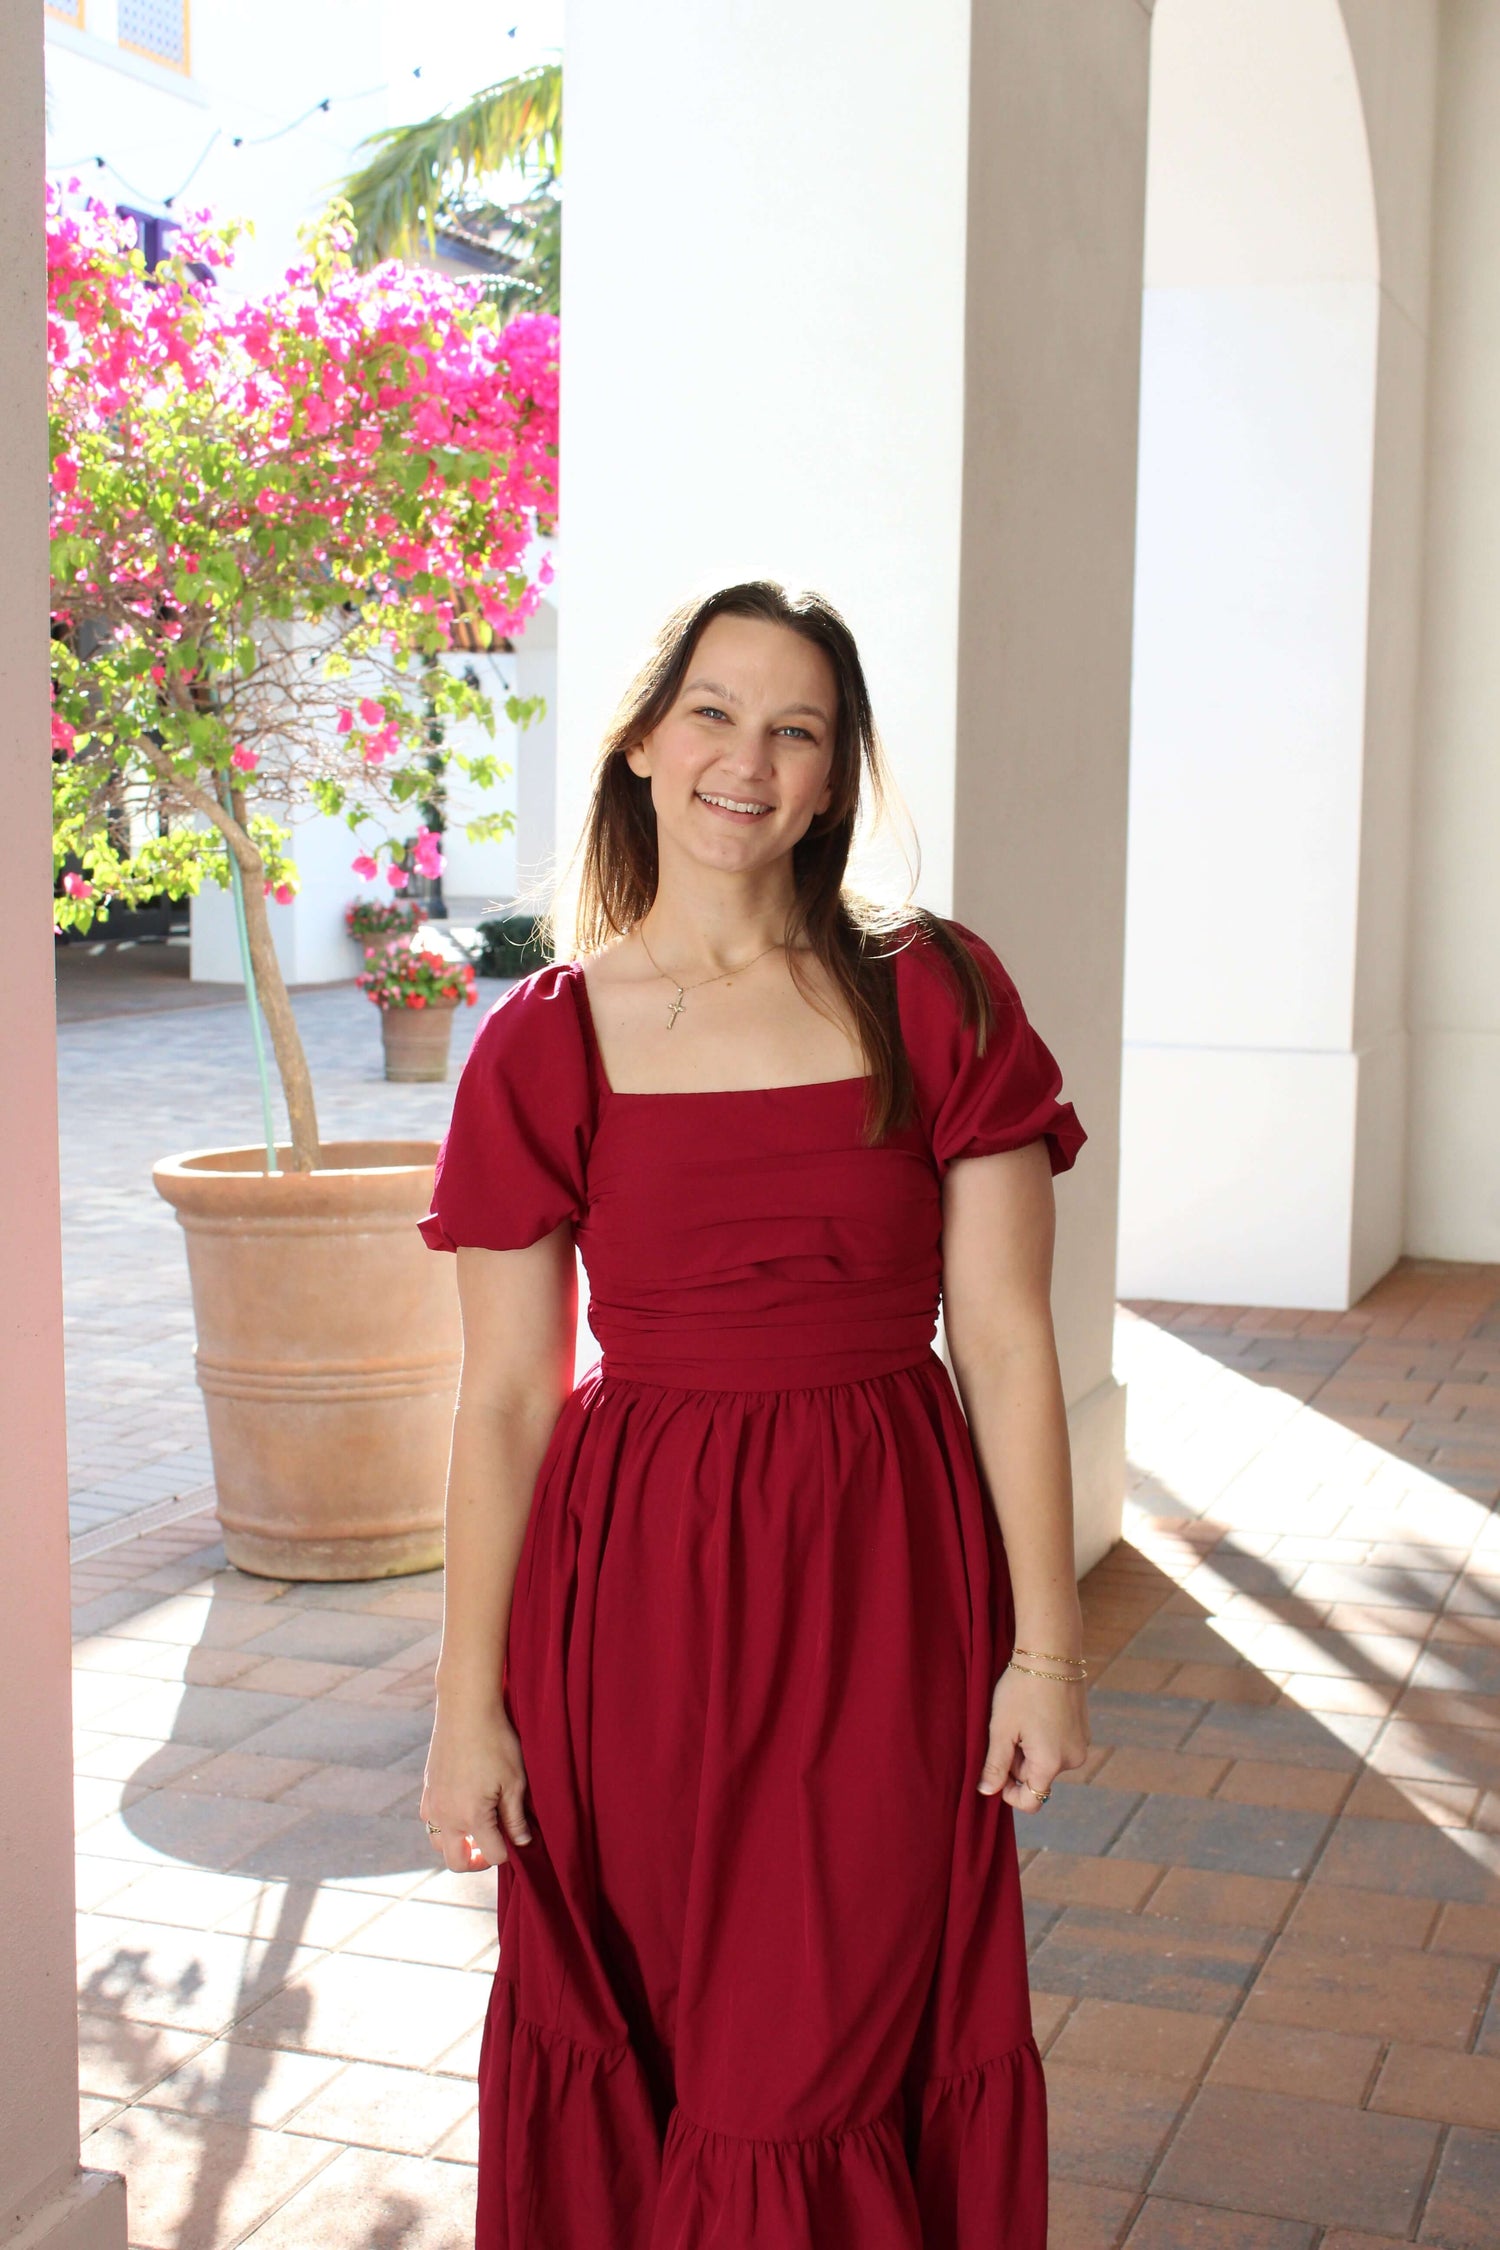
{"points": [[1265, 1917], [135, 1086]]}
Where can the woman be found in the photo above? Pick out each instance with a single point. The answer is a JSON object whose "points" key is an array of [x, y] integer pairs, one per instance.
{"points": [[753, 1644]]}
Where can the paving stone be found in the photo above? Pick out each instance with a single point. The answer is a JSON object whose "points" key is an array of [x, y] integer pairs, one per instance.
{"points": [[339, 1733], [211, 1718], [187, 1980], [1081, 1820], [365, 2199], [1232, 1839], [195, 2183], [372, 2011], [253, 2085], [1250, 1902], [1118, 2035], [1156, 1721], [1170, 2225], [332, 1636], [1158, 1961], [377, 2105], [1072, 1879], [1107, 2127], [1421, 1997], [1460, 2213], [1324, 2066], [1282, 1736], [1251, 2151], [1433, 2082], [330, 1847], [1387, 1855]]}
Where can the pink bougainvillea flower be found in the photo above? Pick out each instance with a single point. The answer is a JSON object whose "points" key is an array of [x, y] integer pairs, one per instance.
{"points": [[63, 736], [427, 853], [344, 722], [243, 760], [267, 501], [284, 894], [371, 712], [64, 473], [76, 887], [365, 868], [397, 877]]}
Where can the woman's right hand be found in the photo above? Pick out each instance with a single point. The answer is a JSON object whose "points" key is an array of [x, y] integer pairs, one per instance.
{"points": [[474, 1793]]}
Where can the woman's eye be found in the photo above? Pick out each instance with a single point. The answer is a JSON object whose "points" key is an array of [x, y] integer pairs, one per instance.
{"points": [[708, 711], [798, 730]]}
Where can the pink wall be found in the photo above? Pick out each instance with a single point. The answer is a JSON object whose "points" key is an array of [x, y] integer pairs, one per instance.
{"points": [[43, 2199]]}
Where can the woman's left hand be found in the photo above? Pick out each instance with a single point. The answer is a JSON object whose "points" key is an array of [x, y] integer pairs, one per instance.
{"points": [[1038, 1729]]}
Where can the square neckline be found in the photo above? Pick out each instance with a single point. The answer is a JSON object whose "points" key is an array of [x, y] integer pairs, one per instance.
{"points": [[684, 1093]]}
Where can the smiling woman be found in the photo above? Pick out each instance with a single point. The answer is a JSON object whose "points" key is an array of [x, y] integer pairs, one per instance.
{"points": [[725, 1687]]}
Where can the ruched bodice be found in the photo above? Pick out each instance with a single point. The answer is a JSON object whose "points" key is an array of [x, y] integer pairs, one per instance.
{"points": [[762, 1970]]}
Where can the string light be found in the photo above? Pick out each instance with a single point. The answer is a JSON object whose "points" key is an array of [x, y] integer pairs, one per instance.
{"points": [[236, 140]]}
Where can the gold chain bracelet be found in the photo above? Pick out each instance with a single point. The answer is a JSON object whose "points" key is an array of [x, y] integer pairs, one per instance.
{"points": [[1048, 1657], [1067, 1679]]}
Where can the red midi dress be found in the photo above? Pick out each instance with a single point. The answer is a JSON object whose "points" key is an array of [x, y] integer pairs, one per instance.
{"points": [[762, 1979]]}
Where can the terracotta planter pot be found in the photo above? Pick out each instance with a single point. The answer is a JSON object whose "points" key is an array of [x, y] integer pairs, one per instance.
{"points": [[328, 1351], [417, 1040]]}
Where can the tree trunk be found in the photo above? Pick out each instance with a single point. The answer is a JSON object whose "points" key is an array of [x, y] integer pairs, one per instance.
{"points": [[275, 1001], [265, 969]]}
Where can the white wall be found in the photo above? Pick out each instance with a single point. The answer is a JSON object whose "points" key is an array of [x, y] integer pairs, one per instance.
{"points": [[893, 354], [1454, 1180], [1244, 1079]]}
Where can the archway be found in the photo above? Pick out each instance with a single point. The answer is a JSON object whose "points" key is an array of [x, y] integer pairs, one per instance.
{"points": [[1242, 1081]]}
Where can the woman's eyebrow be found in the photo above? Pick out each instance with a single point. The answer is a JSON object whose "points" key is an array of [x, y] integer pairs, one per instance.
{"points": [[715, 687]]}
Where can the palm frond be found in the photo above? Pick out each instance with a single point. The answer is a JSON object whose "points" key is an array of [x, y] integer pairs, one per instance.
{"points": [[398, 193]]}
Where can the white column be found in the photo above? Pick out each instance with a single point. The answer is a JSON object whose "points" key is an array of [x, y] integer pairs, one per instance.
{"points": [[889, 349], [1454, 1180], [1275, 651], [44, 2198]]}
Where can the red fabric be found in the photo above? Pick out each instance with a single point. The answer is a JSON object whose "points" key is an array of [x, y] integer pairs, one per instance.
{"points": [[762, 1977]]}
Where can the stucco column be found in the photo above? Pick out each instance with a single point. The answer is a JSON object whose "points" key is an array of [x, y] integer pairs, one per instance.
{"points": [[44, 2198], [1454, 1177], [886, 343]]}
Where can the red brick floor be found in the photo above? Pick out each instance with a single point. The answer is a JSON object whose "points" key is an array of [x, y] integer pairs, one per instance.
{"points": [[1265, 1916]]}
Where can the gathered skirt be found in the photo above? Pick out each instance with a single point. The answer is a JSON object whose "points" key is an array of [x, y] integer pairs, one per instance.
{"points": [[762, 1975]]}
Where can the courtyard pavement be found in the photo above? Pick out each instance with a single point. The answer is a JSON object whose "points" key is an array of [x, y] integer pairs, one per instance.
{"points": [[1265, 1916]]}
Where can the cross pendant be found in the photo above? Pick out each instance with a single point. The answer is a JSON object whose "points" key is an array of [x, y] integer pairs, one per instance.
{"points": [[676, 1009]]}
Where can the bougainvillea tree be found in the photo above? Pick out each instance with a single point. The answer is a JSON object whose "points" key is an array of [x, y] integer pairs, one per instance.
{"points": [[270, 520]]}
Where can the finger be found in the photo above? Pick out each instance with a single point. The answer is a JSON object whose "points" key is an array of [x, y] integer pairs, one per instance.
{"points": [[461, 1854], [1029, 1785], [997, 1765], [512, 1809]]}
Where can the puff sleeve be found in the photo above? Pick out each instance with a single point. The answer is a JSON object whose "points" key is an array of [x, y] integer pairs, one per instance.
{"points": [[512, 1164], [976, 1104]]}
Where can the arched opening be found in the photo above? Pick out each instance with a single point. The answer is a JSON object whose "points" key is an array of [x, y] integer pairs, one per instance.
{"points": [[1260, 344]]}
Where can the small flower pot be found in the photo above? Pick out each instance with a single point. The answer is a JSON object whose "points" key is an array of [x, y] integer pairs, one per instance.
{"points": [[417, 1040]]}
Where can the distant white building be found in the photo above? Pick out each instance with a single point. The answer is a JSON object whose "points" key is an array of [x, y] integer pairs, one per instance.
{"points": [[162, 107]]}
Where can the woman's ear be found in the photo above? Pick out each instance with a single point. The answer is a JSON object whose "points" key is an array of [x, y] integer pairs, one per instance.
{"points": [[638, 757]]}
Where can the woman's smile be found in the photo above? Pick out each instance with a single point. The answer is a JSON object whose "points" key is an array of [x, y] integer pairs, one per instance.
{"points": [[742, 809]]}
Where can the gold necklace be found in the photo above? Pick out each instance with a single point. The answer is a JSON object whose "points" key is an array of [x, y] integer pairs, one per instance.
{"points": [[678, 1004]]}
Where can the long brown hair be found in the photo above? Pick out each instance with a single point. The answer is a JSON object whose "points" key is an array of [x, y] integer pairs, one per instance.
{"points": [[854, 938]]}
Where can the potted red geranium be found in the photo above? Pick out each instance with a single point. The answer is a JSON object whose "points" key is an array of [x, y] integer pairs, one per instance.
{"points": [[416, 991]]}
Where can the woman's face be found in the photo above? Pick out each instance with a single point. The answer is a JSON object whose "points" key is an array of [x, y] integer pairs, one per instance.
{"points": [[741, 763]]}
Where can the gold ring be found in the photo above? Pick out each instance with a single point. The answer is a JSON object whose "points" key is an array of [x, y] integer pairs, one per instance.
{"points": [[1041, 1795]]}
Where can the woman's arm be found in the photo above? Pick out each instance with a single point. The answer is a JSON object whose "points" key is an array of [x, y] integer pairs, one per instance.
{"points": [[998, 1227], [520, 1311]]}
